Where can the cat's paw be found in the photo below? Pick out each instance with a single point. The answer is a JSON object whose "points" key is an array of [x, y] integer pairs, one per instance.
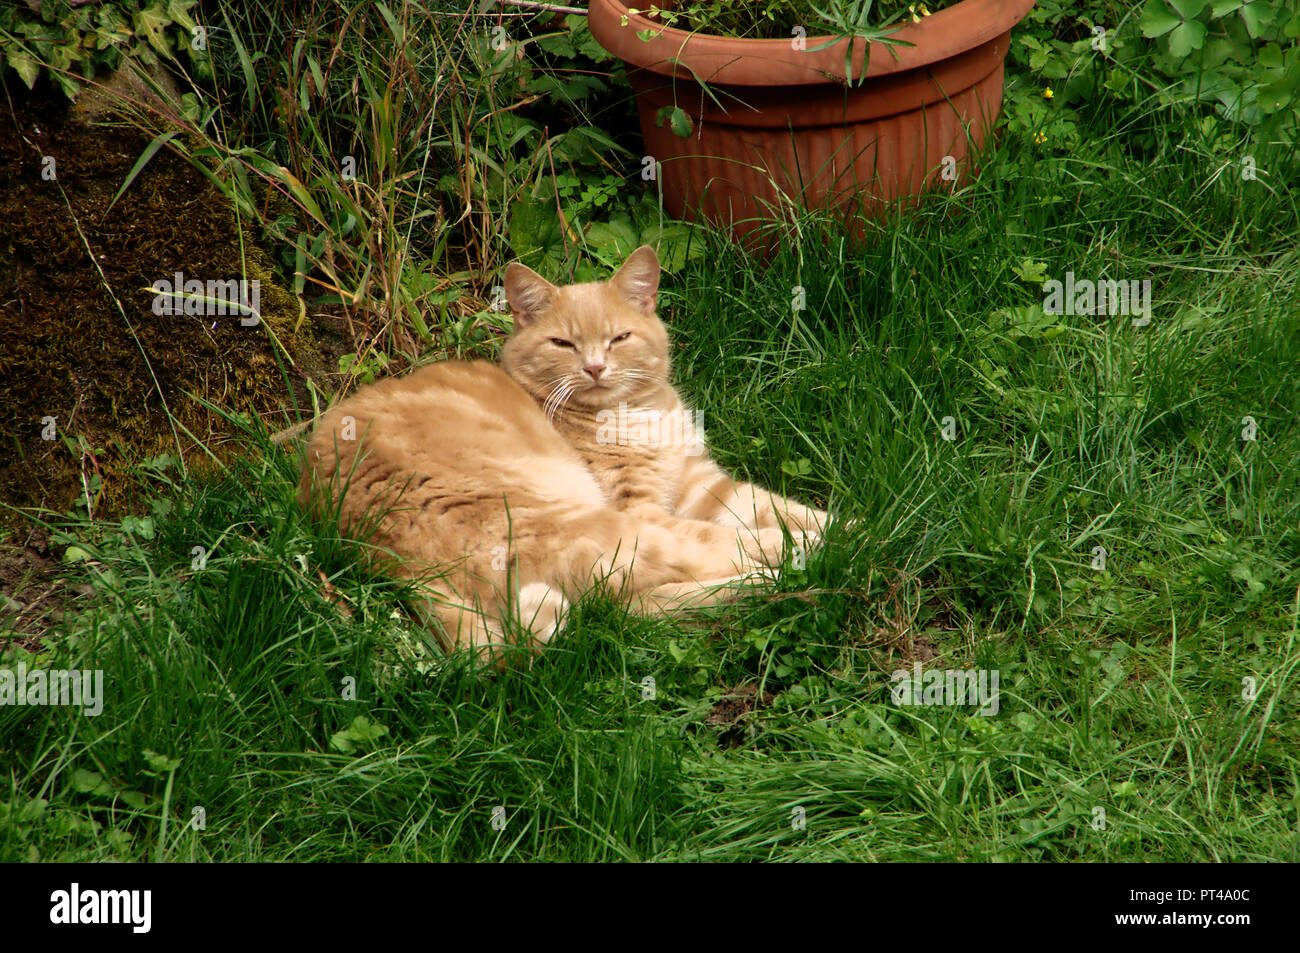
{"points": [[805, 542], [797, 518], [764, 547], [810, 521], [541, 611]]}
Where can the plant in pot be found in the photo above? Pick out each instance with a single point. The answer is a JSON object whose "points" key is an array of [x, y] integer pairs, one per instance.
{"points": [[849, 108]]}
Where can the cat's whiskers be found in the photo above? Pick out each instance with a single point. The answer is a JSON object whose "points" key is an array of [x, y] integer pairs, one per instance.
{"points": [[564, 399], [558, 397], [551, 387], [633, 377], [552, 400]]}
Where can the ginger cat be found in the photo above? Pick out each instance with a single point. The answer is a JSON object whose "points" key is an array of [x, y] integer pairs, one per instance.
{"points": [[509, 492]]}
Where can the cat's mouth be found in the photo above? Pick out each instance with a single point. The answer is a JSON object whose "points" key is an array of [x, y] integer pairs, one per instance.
{"points": [[598, 393]]}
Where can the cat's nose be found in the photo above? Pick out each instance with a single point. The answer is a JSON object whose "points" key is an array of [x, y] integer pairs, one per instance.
{"points": [[595, 370]]}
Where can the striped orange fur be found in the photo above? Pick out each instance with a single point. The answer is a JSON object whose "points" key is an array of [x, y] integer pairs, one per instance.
{"points": [[510, 491]]}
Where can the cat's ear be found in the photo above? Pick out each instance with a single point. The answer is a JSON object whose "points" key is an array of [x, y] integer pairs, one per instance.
{"points": [[528, 292], [638, 278]]}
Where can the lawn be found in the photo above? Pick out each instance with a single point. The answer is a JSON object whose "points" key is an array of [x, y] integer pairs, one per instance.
{"points": [[1102, 510]]}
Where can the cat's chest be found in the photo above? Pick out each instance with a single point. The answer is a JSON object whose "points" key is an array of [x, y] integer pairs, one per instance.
{"points": [[637, 454]]}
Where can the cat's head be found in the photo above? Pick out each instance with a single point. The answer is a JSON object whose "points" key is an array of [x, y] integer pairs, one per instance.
{"points": [[592, 344]]}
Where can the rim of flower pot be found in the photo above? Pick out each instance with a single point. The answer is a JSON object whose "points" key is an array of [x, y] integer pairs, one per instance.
{"points": [[746, 62]]}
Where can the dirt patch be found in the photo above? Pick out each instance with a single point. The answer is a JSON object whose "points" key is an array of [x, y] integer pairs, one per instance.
{"points": [[92, 378], [905, 618], [735, 712], [33, 592]]}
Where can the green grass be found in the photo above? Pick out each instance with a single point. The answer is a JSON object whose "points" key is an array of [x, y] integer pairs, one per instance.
{"points": [[1124, 690]]}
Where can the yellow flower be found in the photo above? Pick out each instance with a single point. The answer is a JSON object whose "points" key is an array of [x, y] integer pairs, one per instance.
{"points": [[1040, 137], [1047, 93]]}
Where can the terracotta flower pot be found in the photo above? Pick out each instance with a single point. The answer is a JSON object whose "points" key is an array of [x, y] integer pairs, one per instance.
{"points": [[778, 126]]}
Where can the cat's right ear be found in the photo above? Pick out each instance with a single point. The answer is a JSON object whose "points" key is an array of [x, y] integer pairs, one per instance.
{"points": [[528, 292]]}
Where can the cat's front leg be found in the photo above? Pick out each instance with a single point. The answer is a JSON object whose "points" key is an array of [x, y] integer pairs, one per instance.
{"points": [[758, 547], [709, 493]]}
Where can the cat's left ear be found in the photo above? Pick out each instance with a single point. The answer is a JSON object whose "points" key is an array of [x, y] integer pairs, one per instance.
{"points": [[528, 293], [638, 278]]}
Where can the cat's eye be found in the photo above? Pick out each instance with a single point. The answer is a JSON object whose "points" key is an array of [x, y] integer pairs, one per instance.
{"points": [[622, 337], [560, 342]]}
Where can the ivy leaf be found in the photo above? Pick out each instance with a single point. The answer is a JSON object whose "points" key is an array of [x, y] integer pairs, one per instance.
{"points": [[1157, 20], [25, 66], [179, 12], [151, 23]]}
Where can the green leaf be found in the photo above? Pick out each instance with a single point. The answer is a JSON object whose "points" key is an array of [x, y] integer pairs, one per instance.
{"points": [[1188, 9], [362, 732], [613, 240], [678, 120], [91, 782], [178, 11], [1275, 96], [151, 23], [535, 231], [673, 242], [141, 525], [1157, 20], [160, 762], [25, 67], [1257, 16], [1031, 271], [1186, 37], [393, 26]]}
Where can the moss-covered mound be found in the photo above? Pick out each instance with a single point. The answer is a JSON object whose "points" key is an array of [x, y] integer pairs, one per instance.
{"points": [[116, 379]]}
